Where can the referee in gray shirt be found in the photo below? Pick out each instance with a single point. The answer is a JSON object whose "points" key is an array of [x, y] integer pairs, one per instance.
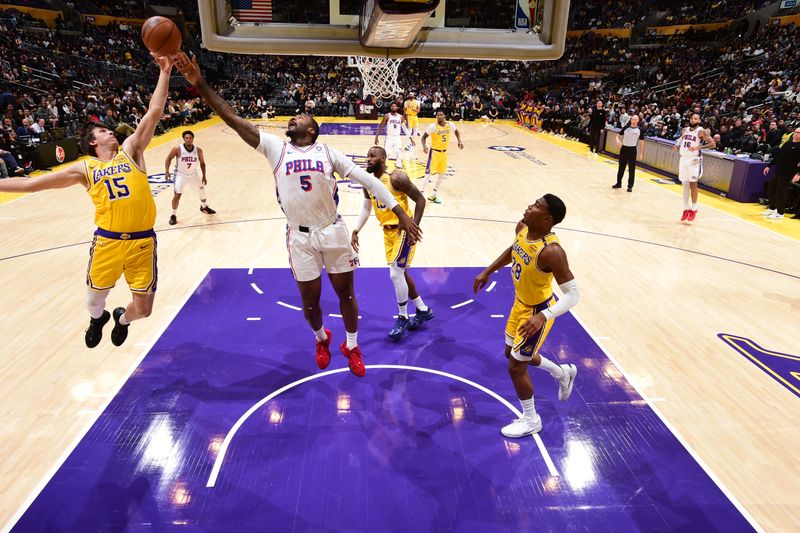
{"points": [[629, 137]]}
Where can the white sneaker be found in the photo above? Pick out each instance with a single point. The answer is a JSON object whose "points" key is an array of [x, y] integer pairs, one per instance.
{"points": [[767, 212], [567, 381], [774, 216], [522, 427]]}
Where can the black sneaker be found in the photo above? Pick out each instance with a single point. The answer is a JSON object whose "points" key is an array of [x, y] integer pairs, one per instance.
{"points": [[419, 318], [173, 220], [120, 332], [617, 186], [207, 210], [399, 327], [630, 189], [94, 333]]}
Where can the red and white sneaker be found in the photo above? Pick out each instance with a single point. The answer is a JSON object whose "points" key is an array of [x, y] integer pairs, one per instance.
{"points": [[354, 359], [692, 214], [323, 351], [685, 215]]}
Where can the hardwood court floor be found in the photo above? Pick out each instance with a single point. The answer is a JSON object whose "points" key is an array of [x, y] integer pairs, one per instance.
{"points": [[655, 292]]}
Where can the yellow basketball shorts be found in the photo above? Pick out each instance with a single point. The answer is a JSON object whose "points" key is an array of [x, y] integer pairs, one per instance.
{"points": [[413, 121], [398, 250], [522, 349], [437, 162], [110, 258]]}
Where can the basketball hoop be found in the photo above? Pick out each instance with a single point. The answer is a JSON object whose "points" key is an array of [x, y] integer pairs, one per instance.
{"points": [[379, 76]]}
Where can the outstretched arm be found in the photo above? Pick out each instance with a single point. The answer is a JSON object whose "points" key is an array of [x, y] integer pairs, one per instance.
{"points": [[72, 175], [137, 143], [191, 71]]}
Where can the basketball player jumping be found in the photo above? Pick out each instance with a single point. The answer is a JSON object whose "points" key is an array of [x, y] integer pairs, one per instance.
{"points": [[395, 127], [536, 258], [316, 235], [399, 251], [189, 157], [124, 242], [692, 140], [439, 132]]}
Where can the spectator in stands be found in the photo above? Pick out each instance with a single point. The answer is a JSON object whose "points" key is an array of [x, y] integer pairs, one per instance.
{"points": [[774, 135], [39, 127], [24, 130]]}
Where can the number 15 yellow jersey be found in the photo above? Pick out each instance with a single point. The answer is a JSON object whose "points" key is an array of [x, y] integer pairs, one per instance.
{"points": [[121, 194]]}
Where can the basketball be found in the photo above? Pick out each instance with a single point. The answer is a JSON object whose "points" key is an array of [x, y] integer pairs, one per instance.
{"points": [[161, 36]]}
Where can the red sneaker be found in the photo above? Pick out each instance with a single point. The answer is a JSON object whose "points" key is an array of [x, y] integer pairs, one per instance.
{"points": [[354, 360], [692, 214], [323, 351], [685, 215]]}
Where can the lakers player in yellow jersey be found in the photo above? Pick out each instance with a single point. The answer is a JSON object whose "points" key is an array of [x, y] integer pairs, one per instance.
{"points": [[124, 242], [411, 108], [399, 249], [439, 132], [536, 258]]}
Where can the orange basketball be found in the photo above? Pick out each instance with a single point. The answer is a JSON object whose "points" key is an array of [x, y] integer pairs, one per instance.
{"points": [[161, 36]]}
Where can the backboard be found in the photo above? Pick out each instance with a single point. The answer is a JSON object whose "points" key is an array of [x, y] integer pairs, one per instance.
{"points": [[458, 29]]}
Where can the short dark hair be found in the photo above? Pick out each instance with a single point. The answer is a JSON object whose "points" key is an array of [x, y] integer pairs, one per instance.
{"points": [[439, 111], [379, 149], [556, 206], [316, 128], [187, 132], [88, 136]]}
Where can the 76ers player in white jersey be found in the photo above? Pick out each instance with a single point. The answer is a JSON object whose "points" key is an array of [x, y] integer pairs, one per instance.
{"points": [[395, 126], [316, 235], [189, 157], [692, 140]]}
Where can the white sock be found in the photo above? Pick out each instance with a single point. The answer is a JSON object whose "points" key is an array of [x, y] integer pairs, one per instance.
{"points": [[551, 368], [202, 196], [528, 408], [686, 194], [124, 320], [352, 340], [419, 304], [403, 309], [424, 183], [174, 212], [321, 335], [694, 206], [437, 183]]}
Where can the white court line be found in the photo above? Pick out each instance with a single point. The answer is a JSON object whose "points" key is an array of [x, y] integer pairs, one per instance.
{"points": [[252, 318], [223, 449], [462, 304], [288, 306], [255, 288], [334, 315], [15, 518], [491, 286], [674, 431], [250, 271], [497, 316]]}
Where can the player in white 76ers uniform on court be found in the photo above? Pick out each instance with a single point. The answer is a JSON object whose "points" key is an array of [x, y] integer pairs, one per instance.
{"points": [[316, 235], [692, 140], [188, 157], [395, 127]]}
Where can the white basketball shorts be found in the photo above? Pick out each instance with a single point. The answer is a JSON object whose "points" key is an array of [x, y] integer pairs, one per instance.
{"points": [[310, 249], [182, 181], [690, 169], [393, 146]]}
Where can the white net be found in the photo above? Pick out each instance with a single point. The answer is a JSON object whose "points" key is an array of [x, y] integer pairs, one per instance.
{"points": [[379, 76]]}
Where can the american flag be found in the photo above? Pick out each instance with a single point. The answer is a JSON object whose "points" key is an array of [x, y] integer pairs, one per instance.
{"points": [[252, 10]]}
